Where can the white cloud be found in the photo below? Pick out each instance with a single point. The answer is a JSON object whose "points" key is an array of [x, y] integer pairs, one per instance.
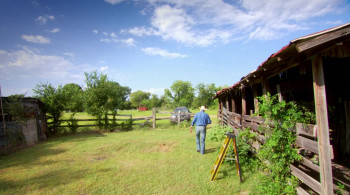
{"points": [[69, 54], [157, 91], [142, 31], [129, 42], [44, 19], [163, 53], [36, 39], [95, 31], [203, 23], [113, 1], [113, 35], [103, 68], [55, 30], [29, 62]]}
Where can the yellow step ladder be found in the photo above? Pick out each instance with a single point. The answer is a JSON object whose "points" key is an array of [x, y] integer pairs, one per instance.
{"points": [[223, 152]]}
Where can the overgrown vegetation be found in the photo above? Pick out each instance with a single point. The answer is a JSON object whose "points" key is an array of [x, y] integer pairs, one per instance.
{"points": [[277, 153]]}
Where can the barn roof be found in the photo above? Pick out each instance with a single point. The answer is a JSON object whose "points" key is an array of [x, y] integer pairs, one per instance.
{"points": [[295, 47]]}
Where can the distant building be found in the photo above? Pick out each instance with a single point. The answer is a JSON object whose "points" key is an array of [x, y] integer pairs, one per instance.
{"points": [[13, 135]]}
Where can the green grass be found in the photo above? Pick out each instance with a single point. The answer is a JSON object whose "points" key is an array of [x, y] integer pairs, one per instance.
{"points": [[161, 161]]}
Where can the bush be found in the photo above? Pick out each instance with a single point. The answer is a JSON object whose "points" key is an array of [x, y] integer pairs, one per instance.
{"points": [[73, 124], [277, 153], [217, 132]]}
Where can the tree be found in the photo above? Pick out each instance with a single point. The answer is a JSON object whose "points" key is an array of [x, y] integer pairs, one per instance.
{"points": [[205, 95], [102, 96], [74, 95], [181, 93], [54, 103], [153, 102], [138, 98]]}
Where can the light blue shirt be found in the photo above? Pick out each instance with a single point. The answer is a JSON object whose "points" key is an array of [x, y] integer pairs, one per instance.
{"points": [[201, 119]]}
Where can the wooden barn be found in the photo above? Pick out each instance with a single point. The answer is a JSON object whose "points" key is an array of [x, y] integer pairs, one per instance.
{"points": [[312, 71], [13, 134]]}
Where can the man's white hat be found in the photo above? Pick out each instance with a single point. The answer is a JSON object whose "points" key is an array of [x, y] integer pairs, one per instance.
{"points": [[203, 108]]}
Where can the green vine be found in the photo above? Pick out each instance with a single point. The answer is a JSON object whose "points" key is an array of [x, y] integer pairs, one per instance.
{"points": [[277, 153]]}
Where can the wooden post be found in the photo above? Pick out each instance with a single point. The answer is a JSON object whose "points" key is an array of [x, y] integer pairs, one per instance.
{"points": [[244, 108], [256, 101], [154, 118], [222, 112], [322, 126], [228, 103], [233, 103], [265, 86], [280, 98]]}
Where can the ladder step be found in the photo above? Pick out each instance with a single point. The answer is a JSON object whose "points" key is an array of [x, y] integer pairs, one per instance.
{"points": [[230, 159]]}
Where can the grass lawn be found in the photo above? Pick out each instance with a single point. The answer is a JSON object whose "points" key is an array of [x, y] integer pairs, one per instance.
{"points": [[161, 161]]}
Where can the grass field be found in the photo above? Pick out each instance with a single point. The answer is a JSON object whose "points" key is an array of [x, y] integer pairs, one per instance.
{"points": [[161, 161]]}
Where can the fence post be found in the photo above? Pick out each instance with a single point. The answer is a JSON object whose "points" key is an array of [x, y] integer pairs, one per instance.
{"points": [[179, 118], [154, 117]]}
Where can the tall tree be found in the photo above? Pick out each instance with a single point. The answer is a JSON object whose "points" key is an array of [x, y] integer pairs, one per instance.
{"points": [[54, 103], [138, 98], [205, 95], [102, 95], [181, 93], [74, 95]]}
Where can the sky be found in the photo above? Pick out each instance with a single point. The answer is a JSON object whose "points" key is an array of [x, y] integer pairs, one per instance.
{"points": [[149, 44]]}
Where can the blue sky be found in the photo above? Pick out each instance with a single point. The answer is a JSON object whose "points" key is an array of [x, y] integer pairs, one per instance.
{"points": [[148, 44]]}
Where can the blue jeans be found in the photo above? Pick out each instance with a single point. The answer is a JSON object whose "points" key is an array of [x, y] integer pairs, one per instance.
{"points": [[200, 138]]}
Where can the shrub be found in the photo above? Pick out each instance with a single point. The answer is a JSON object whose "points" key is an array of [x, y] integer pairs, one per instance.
{"points": [[73, 124], [277, 153], [217, 132]]}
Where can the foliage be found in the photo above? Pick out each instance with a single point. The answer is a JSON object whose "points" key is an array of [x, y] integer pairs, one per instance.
{"points": [[340, 189], [138, 97], [217, 132], [16, 109], [74, 96], [153, 102], [244, 140], [73, 123], [181, 93], [205, 95], [127, 125], [54, 103], [102, 96], [277, 152]]}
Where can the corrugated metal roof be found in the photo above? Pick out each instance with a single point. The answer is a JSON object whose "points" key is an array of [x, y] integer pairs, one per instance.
{"points": [[290, 45]]}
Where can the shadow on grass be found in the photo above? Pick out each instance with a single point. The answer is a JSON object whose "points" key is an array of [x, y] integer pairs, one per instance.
{"points": [[29, 156], [49, 179], [211, 150]]}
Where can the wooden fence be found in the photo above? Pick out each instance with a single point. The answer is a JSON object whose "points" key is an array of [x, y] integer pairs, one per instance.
{"points": [[152, 118], [306, 171]]}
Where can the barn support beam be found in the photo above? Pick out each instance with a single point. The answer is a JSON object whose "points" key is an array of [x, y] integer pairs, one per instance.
{"points": [[256, 101], [244, 103], [233, 103], [322, 126]]}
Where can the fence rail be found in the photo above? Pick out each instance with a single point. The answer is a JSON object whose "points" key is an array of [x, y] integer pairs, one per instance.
{"points": [[306, 139], [152, 118]]}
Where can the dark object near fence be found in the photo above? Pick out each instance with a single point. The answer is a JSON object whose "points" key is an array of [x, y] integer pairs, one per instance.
{"points": [[180, 114]]}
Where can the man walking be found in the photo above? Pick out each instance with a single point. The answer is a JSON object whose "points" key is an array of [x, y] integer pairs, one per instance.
{"points": [[201, 120]]}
